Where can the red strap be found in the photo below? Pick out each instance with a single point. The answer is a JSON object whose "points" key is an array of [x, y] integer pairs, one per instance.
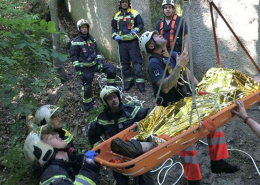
{"points": [[209, 125], [129, 25], [161, 28], [172, 30]]}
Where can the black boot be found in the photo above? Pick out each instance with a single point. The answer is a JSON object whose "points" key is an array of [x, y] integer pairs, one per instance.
{"points": [[223, 166], [141, 87], [128, 85], [194, 182], [88, 106], [130, 149]]}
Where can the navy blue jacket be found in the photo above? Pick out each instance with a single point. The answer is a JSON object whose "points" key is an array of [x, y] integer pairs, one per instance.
{"points": [[60, 172], [84, 53], [110, 124]]}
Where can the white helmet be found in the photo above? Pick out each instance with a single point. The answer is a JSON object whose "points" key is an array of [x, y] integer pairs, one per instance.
{"points": [[35, 149], [107, 90], [82, 22], [146, 37], [171, 2], [44, 113]]}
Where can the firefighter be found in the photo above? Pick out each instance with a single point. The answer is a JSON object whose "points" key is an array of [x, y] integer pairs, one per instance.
{"points": [[167, 27], [156, 45], [49, 115], [49, 151], [115, 118], [86, 58], [125, 25]]}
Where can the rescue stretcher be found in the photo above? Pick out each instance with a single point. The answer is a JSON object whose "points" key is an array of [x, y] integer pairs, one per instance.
{"points": [[144, 163], [156, 156]]}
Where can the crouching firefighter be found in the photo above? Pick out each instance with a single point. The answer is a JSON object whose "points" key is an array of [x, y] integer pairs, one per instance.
{"points": [[59, 168], [86, 58], [115, 118]]}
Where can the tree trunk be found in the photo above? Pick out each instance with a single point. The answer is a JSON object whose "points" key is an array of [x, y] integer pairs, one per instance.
{"points": [[56, 40]]}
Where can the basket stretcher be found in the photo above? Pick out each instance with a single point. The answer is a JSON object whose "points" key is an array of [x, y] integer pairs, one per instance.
{"points": [[144, 163]]}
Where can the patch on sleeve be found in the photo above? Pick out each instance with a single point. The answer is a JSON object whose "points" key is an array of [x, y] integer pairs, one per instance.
{"points": [[156, 72]]}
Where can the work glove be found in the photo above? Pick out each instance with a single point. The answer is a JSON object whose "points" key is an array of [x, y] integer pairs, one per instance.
{"points": [[133, 32], [118, 38], [100, 64], [89, 156]]}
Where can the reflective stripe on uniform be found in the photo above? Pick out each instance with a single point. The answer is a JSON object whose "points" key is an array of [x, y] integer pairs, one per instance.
{"points": [[99, 56], [90, 64], [105, 122], [82, 180], [137, 108], [139, 80], [68, 140], [129, 79], [87, 100], [190, 163], [54, 178], [217, 145], [76, 63], [111, 81], [78, 43]]}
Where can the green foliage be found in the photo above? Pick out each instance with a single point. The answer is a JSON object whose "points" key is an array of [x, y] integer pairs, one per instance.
{"points": [[26, 66], [94, 113], [13, 159]]}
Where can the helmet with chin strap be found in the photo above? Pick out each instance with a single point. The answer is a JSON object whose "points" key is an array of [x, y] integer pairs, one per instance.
{"points": [[106, 91], [35, 150], [44, 113], [82, 22], [165, 2], [146, 37]]}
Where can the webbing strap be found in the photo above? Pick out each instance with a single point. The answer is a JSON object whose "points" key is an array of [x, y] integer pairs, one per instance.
{"points": [[212, 4], [172, 29]]}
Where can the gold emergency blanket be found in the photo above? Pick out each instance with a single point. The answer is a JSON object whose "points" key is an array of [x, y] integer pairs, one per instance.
{"points": [[223, 87]]}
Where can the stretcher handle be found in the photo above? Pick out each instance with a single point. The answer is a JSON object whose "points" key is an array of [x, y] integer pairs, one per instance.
{"points": [[202, 92]]}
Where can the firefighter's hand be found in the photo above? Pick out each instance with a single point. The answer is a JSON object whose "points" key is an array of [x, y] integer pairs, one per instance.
{"points": [[241, 112], [118, 38], [133, 32], [183, 59], [89, 156], [100, 64]]}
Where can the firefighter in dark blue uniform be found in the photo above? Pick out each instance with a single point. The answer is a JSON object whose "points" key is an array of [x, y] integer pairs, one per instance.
{"points": [[155, 44], [115, 118], [125, 25], [167, 27], [86, 58], [58, 167]]}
